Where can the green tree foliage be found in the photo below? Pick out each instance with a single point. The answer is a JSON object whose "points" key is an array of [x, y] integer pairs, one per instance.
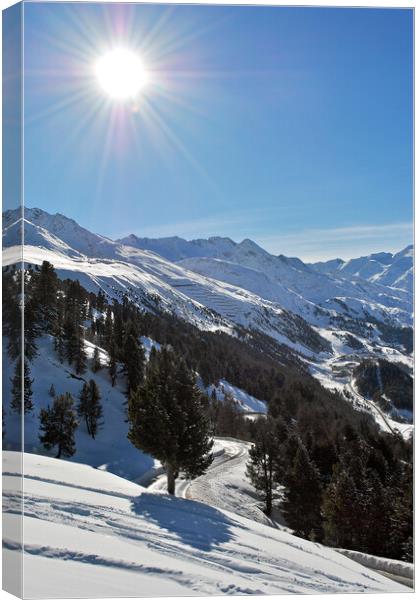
{"points": [[112, 363], [44, 296], [90, 408], [58, 424], [12, 316], [302, 499], [96, 362], [340, 516], [22, 388], [226, 416], [133, 359], [167, 419], [262, 458]]}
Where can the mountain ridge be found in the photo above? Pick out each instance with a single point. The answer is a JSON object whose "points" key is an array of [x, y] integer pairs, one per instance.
{"points": [[327, 323]]}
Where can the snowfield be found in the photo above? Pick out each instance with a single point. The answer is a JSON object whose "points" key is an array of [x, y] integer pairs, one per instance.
{"points": [[100, 535]]}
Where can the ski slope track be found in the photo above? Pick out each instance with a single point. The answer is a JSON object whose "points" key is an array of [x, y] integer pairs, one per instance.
{"points": [[90, 533], [224, 485]]}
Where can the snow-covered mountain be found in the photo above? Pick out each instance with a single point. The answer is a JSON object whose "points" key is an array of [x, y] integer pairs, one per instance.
{"points": [[394, 270], [286, 280], [219, 285]]}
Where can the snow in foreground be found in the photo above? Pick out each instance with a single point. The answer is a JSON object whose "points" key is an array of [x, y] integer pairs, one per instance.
{"points": [[91, 533]]}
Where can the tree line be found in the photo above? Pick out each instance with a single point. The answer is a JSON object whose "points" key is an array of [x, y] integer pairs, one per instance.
{"points": [[354, 491]]}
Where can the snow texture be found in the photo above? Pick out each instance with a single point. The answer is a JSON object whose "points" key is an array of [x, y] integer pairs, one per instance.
{"points": [[90, 533]]}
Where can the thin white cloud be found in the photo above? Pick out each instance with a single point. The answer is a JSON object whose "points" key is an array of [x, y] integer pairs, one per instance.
{"points": [[344, 242]]}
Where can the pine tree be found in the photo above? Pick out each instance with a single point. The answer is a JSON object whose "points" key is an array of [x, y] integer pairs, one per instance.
{"points": [[96, 362], [19, 388], [260, 468], [112, 364], [45, 286], [59, 345], [90, 407], [58, 425], [51, 391], [108, 329], [12, 315], [167, 419], [133, 360], [339, 510], [78, 349], [303, 496], [31, 330], [401, 517]]}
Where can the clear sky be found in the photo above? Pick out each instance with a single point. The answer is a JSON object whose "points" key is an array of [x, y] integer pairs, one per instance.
{"points": [[289, 126]]}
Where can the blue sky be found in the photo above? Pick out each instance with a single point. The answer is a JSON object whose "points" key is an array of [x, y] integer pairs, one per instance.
{"points": [[289, 126]]}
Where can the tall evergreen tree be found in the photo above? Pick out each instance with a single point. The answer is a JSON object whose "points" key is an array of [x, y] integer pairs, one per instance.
{"points": [[112, 363], [31, 329], [339, 510], [58, 424], [167, 419], [303, 496], [262, 455], [90, 407], [74, 346], [44, 291], [401, 516], [96, 362], [22, 388], [133, 359], [12, 315]]}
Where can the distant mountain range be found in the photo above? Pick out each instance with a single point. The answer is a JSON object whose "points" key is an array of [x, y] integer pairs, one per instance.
{"points": [[321, 312], [395, 270]]}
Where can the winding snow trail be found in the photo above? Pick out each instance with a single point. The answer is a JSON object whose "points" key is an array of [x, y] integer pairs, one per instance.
{"points": [[372, 404], [225, 484]]}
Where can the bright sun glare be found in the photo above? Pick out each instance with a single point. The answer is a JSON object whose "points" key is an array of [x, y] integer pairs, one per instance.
{"points": [[121, 74]]}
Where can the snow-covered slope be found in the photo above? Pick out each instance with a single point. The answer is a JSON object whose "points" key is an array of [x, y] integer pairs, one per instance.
{"points": [[291, 274], [110, 450], [150, 279], [89, 533], [394, 270], [235, 288], [307, 294]]}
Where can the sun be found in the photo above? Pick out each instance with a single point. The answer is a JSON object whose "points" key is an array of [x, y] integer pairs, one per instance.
{"points": [[121, 74]]}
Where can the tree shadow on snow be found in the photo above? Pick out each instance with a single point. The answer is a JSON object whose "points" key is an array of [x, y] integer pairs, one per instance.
{"points": [[198, 525]]}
